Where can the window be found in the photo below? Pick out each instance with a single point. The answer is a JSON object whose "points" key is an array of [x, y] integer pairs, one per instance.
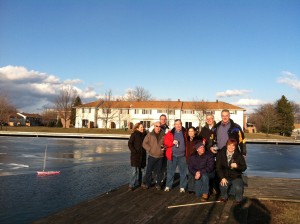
{"points": [[171, 112], [124, 111], [146, 124], [188, 112], [136, 111], [106, 111], [188, 124], [232, 111], [207, 112], [162, 111], [145, 111], [90, 110], [82, 110], [84, 122]]}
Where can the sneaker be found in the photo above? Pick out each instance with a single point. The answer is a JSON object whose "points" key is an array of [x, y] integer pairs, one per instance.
{"points": [[223, 200], [167, 189], [158, 187], [204, 197], [130, 188], [144, 186], [182, 190]]}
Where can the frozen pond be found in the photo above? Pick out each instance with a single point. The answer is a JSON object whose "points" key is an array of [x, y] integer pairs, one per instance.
{"points": [[90, 167]]}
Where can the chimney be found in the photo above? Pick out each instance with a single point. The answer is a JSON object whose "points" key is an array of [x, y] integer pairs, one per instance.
{"points": [[217, 101], [178, 100]]}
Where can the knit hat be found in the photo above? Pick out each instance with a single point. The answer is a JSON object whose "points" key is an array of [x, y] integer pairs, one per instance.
{"points": [[199, 144]]}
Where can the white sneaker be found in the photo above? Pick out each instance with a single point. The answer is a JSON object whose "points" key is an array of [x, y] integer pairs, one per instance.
{"points": [[167, 189], [182, 190]]}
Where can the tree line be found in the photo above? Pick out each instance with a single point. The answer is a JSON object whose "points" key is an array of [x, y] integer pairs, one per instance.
{"points": [[278, 117]]}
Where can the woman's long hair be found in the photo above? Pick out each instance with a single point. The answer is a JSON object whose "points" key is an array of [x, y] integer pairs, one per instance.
{"points": [[136, 126]]}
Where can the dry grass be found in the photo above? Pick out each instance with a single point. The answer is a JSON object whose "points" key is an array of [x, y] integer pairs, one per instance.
{"points": [[265, 136], [283, 212], [116, 131], [67, 130]]}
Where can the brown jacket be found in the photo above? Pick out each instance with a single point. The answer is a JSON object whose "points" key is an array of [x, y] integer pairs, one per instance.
{"points": [[152, 145]]}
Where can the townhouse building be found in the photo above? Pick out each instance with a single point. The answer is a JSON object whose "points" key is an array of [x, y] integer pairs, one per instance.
{"points": [[124, 114]]}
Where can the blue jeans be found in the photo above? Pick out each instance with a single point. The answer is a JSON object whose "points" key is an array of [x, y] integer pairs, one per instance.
{"points": [[171, 169], [191, 182], [202, 185], [234, 187], [136, 176], [154, 165]]}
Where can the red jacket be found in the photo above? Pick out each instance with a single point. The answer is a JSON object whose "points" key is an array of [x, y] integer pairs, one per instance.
{"points": [[168, 142]]}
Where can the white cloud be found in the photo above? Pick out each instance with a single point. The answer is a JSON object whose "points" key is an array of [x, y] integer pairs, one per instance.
{"points": [[73, 81], [290, 79], [29, 90], [250, 102], [231, 93]]}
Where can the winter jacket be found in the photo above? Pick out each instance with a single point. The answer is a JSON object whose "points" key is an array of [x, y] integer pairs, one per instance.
{"points": [[208, 135], [223, 168], [204, 163], [169, 138], [235, 132], [153, 145], [190, 146], [138, 153]]}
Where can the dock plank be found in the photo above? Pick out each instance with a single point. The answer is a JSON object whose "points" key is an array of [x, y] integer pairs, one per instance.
{"points": [[151, 206]]}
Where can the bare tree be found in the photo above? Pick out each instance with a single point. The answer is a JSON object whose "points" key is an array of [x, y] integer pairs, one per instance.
{"points": [[200, 111], [296, 111], [266, 118], [5, 110], [49, 117], [107, 112], [64, 103], [138, 94]]}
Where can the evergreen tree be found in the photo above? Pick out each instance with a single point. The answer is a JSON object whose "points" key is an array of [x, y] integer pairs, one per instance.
{"points": [[59, 123], [285, 112], [77, 102]]}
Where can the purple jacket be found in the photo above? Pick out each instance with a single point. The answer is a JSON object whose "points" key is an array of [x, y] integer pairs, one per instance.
{"points": [[204, 163]]}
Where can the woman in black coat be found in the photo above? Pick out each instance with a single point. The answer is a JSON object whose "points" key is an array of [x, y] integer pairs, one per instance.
{"points": [[137, 155], [230, 166]]}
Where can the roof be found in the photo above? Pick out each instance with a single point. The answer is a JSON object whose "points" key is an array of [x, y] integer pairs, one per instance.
{"points": [[219, 105], [30, 115], [297, 126], [91, 104]]}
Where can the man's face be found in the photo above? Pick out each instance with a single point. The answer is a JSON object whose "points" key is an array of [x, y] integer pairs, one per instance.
{"points": [[201, 150], [163, 120], [225, 117], [177, 125], [210, 120], [156, 127]]}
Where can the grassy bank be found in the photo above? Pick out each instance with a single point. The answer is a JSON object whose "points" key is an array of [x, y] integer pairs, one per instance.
{"points": [[115, 131]]}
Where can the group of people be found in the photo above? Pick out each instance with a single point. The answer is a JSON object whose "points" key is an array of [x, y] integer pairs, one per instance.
{"points": [[209, 161]]}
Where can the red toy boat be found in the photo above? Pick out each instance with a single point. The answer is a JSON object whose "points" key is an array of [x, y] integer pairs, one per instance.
{"points": [[46, 173]]}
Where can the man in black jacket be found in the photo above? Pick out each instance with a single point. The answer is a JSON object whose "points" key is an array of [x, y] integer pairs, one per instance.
{"points": [[227, 129], [207, 131]]}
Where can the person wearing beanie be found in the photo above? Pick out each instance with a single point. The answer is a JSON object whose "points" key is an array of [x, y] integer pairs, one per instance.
{"points": [[201, 164]]}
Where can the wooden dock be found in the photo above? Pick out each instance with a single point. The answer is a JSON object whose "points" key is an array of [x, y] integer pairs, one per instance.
{"points": [[152, 206]]}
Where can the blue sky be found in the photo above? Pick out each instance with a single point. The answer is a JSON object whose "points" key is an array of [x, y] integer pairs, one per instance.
{"points": [[241, 52]]}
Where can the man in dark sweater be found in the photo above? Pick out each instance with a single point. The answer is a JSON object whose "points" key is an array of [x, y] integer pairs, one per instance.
{"points": [[201, 164]]}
